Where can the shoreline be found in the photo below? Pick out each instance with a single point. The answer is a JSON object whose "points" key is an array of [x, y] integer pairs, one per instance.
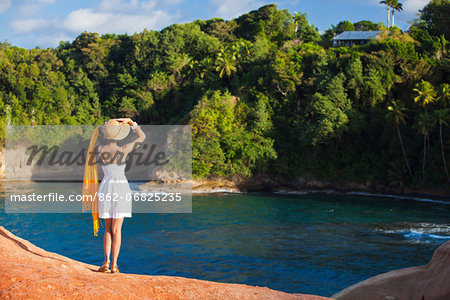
{"points": [[269, 185], [413, 197], [217, 186], [421, 198]]}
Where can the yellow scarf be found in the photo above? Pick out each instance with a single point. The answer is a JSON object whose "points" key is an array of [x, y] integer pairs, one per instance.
{"points": [[90, 183]]}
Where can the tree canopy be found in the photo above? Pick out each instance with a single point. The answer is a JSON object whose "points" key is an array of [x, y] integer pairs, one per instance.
{"points": [[264, 93]]}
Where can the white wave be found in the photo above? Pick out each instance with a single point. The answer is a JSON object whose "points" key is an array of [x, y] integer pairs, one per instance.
{"points": [[413, 234], [399, 197], [213, 191], [367, 194], [421, 231], [294, 192]]}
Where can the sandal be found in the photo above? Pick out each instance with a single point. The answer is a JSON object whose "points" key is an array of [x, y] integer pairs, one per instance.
{"points": [[115, 269], [104, 267]]}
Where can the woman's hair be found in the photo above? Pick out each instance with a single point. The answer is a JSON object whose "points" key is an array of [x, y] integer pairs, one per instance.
{"points": [[103, 140], [108, 141]]}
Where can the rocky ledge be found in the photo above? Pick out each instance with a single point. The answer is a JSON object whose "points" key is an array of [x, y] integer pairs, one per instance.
{"points": [[29, 272], [430, 282], [279, 185]]}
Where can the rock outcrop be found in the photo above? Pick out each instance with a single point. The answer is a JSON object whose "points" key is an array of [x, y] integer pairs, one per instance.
{"points": [[29, 272], [430, 282]]}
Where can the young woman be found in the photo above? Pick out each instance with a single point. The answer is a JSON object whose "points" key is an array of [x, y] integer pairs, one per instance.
{"points": [[113, 206]]}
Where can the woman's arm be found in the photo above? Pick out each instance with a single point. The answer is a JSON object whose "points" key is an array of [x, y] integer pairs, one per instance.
{"points": [[127, 148]]}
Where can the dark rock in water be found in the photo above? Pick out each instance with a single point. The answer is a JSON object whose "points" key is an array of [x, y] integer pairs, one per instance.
{"points": [[430, 282]]}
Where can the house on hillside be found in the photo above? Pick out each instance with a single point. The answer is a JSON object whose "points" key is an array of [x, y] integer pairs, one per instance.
{"points": [[354, 38]]}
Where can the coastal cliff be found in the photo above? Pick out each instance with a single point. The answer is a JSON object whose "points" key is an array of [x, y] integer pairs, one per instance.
{"points": [[29, 272], [430, 282]]}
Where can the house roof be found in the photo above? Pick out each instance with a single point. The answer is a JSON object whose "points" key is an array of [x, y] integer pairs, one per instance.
{"points": [[357, 35]]}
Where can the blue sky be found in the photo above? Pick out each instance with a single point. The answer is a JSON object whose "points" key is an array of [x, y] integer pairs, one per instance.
{"points": [[43, 23]]}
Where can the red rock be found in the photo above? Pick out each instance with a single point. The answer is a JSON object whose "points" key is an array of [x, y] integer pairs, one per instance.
{"points": [[27, 271], [430, 282]]}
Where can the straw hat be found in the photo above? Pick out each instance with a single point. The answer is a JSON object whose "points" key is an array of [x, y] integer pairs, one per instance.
{"points": [[115, 130]]}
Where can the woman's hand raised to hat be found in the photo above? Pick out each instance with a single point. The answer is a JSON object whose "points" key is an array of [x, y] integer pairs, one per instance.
{"points": [[102, 128], [125, 121]]}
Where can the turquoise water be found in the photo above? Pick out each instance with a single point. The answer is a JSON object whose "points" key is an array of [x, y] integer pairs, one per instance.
{"points": [[308, 243]]}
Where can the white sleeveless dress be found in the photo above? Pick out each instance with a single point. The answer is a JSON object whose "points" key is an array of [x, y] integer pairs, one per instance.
{"points": [[114, 193]]}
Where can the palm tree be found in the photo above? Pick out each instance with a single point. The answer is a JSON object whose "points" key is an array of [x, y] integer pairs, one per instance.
{"points": [[396, 6], [441, 117], [297, 18], [424, 126], [444, 94], [388, 3], [205, 66], [397, 113], [425, 94], [226, 63], [181, 61]]}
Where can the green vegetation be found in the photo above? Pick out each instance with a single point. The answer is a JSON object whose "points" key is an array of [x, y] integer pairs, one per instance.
{"points": [[392, 6], [264, 93]]}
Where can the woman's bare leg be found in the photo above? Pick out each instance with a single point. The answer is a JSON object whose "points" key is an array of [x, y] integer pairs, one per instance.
{"points": [[107, 239], [116, 229]]}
